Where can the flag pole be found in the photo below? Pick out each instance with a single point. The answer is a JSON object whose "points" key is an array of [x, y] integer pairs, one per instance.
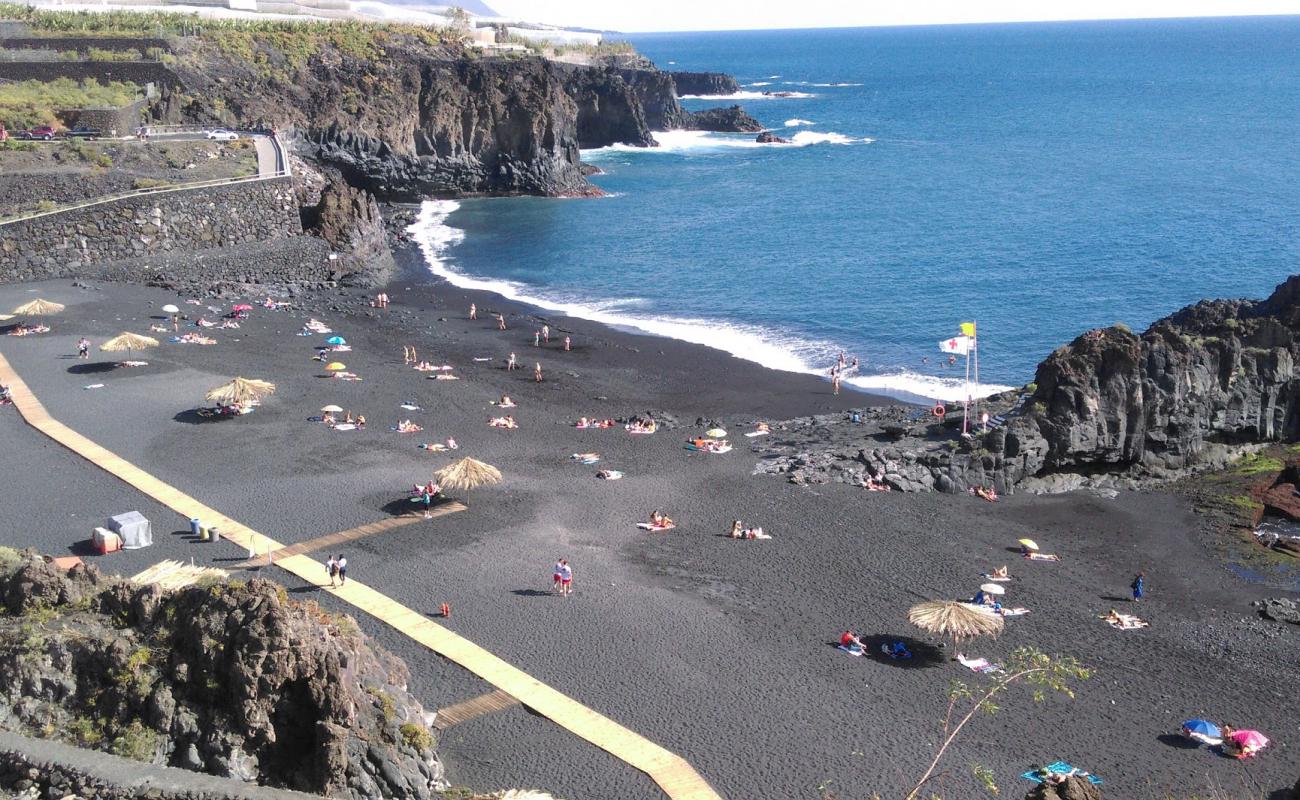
{"points": [[975, 345], [965, 410]]}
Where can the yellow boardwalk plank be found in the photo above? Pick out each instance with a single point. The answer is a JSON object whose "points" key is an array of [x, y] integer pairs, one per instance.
{"points": [[329, 541], [473, 709], [677, 778]]}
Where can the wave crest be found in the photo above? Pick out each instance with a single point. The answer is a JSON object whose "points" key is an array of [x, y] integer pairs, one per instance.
{"points": [[792, 123], [743, 95]]}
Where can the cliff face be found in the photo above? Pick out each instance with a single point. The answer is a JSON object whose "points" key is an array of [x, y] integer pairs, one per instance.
{"points": [[611, 107], [704, 83], [234, 680], [1219, 373]]}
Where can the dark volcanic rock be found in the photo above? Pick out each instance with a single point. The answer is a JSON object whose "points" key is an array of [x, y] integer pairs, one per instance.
{"points": [[723, 120], [704, 83], [1073, 788], [609, 106], [349, 220], [1280, 609], [767, 137], [233, 679]]}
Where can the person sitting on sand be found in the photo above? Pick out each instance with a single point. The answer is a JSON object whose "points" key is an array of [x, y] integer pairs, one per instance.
{"points": [[988, 494], [737, 529], [406, 426], [503, 422], [347, 419], [328, 419], [451, 444], [423, 366], [700, 442], [1001, 573], [851, 641], [659, 519], [763, 427], [361, 421], [583, 422], [506, 402], [874, 484]]}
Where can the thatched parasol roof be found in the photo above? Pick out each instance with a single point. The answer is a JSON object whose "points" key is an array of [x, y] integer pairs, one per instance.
{"points": [[128, 342], [240, 392], [954, 620], [468, 473], [38, 308]]}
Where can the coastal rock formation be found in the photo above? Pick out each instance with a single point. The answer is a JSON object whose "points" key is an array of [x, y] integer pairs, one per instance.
{"points": [[703, 83], [1111, 409], [610, 107], [349, 220], [232, 679], [1280, 609], [721, 120], [1073, 788], [767, 137]]}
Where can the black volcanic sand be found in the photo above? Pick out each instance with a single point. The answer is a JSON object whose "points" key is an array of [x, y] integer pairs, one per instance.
{"points": [[719, 650]]}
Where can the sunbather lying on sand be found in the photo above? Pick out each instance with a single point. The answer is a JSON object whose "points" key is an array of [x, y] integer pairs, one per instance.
{"points": [[504, 402], [406, 426], [503, 422], [988, 494], [156, 328], [851, 643], [27, 330], [346, 376], [230, 323], [584, 422], [999, 574], [874, 485], [609, 474], [586, 458], [739, 531], [424, 366], [1036, 556], [641, 425], [980, 665]]}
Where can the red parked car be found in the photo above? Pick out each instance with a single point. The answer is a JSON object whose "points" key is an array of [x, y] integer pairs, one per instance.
{"points": [[44, 132]]}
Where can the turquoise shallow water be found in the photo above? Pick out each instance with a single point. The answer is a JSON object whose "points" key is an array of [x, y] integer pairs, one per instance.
{"points": [[1040, 179]]}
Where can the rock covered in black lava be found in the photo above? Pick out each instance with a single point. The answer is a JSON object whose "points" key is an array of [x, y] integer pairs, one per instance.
{"points": [[732, 119], [348, 219], [232, 679], [767, 137], [704, 83]]}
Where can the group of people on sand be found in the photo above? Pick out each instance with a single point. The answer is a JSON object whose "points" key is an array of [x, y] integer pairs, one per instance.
{"points": [[659, 520], [586, 422], [839, 368], [380, 301], [562, 577], [406, 426], [426, 494], [985, 493], [333, 421], [710, 445], [24, 329], [508, 421], [874, 484], [739, 531], [641, 425]]}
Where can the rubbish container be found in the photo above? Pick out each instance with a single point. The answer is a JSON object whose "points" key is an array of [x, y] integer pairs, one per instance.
{"points": [[195, 526], [216, 535]]}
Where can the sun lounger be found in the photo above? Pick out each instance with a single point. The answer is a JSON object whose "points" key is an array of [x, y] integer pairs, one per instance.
{"points": [[981, 665], [1060, 768], [646, 526]]}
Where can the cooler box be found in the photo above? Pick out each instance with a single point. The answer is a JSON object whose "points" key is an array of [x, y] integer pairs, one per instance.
{"points": [[105, 541], [133, 528]]}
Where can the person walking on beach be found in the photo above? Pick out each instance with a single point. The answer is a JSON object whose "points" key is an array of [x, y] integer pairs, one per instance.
{"points": [[511, 364], [332, 567], [835, 383], [83, 348], [537, 338], [473, 311], [557, 575], [566, 577], [568, 344], [546, 334], [1139, 586], [176, 323], [537, 372], [501, 321], [343, 569]]}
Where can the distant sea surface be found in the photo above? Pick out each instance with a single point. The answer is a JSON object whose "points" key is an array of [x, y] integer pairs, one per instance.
{"points": [[1039, 179]]}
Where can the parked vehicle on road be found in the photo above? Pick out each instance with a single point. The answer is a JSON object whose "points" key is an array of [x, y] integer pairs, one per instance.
{"points": [[84, 133], [42, 132], [222, 135]]}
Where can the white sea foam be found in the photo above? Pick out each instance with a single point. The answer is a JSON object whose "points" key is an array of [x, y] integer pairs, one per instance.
{"points": [[773, 77], [759, 83], [824, 85], [752, 343], [743, 95], [678, 142], [791, 123]]}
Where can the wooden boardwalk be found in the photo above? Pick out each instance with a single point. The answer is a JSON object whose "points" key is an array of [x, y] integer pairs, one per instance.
{"points": [[671, 772], [329, 541], [473, 708]]}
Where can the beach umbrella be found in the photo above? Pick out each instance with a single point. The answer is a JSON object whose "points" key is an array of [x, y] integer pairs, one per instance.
{"points": [[336, 340], [38, 308], [716, 433], [240, 392], [170, 309], [1202, 731], [468, 473], [952, 619], [1248, 740], [336, 366], [993, 588], [1029, 544], [332, 409], [128, 342]]}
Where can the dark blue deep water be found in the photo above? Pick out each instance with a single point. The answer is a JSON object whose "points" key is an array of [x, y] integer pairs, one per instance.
{"points": [[1041, 179]]}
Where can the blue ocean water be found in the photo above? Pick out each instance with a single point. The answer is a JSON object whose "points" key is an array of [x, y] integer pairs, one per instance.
{"points": [[1040, 179]]}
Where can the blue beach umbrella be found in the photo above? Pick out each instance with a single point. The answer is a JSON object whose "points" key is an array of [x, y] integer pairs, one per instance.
{"points": [[336, 340], [1202, 731]]}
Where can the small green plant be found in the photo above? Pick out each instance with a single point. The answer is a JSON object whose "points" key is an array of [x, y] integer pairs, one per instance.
{"points": [[136, 742], [1038, 409], [9, 560], [984, 776], [1031, 387], [1254, 464], [416, 736], [1122, 328], [85, 732], [151, 183], [1232, 323], [386, 705], [45, 205]]}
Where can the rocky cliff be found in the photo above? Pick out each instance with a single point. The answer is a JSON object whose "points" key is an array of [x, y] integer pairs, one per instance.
{"points": [[704, 83], [727, 120], [233, 679]]}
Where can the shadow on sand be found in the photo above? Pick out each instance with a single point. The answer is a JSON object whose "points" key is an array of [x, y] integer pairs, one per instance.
{"points": [[92, 368], [924, 654], [196, 416]]}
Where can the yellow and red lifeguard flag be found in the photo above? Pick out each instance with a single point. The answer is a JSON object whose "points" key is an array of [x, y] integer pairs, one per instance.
{"points": [[968, 329]]}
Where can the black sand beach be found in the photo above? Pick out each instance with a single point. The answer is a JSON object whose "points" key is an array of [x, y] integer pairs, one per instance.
{"points": [[720, 650]]}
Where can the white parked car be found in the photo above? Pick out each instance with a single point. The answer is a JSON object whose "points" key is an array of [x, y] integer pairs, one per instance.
{"points": [[222, 135]]}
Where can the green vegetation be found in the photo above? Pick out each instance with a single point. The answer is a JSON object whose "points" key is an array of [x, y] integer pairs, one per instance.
{"points": [[135, 741], [1254, 464], [15, 146], [87, 153], [1231, 323], [9, 560], [1122, 328], [99, 54], [85, 731], [1030, 387], [416, 736], [26, 104], [151, 183]]}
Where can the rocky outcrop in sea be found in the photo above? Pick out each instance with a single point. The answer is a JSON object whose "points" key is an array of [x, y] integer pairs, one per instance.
{"points": [[232, 679]]}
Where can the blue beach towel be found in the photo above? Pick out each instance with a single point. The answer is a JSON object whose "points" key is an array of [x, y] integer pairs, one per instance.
{"points": [[1058, 768]]}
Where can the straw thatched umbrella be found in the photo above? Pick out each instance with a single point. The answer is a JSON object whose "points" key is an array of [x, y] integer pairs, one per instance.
{"points": [[240, 392], [128, 342], [468, 473], [954, 620], [38, 308]]}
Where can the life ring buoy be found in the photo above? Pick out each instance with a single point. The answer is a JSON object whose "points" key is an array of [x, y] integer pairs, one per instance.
{"points": [[939, 411]]}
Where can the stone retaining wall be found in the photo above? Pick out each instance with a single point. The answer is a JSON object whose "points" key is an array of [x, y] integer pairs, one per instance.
{"points": [[40, 768], [75, 243]]}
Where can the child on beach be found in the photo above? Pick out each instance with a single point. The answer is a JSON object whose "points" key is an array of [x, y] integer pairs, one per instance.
{"points": [[83, 348], [1139, 586]]}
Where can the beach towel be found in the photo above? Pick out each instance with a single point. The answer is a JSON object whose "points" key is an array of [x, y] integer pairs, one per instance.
{"points": [[481, 360], [411, 407], [435, 447], [609, 475], [1013, 612], [585, 458], [981, 665], [1058, 768], [726, 448], [94, 386], [1042, 557], [412, 429], [852, 650], [443, 378], [752, 434], [346, 426], [646, 526], [639, 430]]}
